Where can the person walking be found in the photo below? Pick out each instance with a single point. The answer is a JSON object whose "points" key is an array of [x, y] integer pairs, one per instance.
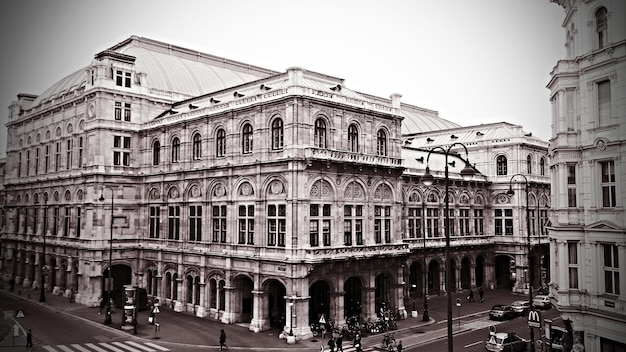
{"points": [[222, 340], [102, 304], [29, 340], [470, 297], [481, 294], [399, 347], [339, 343], [331, 344]]}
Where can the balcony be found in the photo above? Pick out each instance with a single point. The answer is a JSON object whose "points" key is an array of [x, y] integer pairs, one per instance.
{"points": [[350, 157]]}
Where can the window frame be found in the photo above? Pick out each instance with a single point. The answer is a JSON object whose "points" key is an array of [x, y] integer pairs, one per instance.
{"points": [[278, 134], [175, 157], [197, 146], [501, 165], [220, 142], [381, 142], [353, 138], [247, 142], [608, 183], [319, 135]]}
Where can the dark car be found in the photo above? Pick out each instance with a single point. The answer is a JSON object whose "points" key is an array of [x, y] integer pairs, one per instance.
{"points": [[521, 307], [501, 312]]}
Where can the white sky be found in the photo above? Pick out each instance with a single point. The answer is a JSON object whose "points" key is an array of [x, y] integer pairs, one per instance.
{"points": [[477, 61]]}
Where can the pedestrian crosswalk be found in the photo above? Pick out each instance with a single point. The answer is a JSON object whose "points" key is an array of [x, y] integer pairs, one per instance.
{"points": [[115, 346]]}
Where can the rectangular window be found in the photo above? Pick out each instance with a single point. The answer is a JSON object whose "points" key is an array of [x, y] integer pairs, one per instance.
{"points": [[35, 220], [195, 223], [531, 222], [66, 221], [503, 219], [47, 160], [37, 161], [219, 223], [27, 162], [276, 225], [432, 222], [611, 269], [415, 223], [608, 184], [55, 221], [80, 152], [122, 79], [319, 221], [121, 156], [57, 157], [69, 151], [543, 218], [572, 260], [451, 217], [571, 186], [118, 111], [464, 222], [78, 221], [353, 225], [173, 222], [479, 222], [382, 223], [127, 112], [19, 165], [246, 224], [604, 103], [155, 222]]}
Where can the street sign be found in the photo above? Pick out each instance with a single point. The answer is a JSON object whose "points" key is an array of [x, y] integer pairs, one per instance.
{"points": [[156, 310], [534, 318], [20, 314], [322, 320], [458, 302]]}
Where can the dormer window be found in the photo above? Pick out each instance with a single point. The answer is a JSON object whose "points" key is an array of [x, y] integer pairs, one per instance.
{"points": [[122, 78]]}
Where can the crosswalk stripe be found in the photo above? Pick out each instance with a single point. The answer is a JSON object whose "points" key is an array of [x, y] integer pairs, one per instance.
{"points": [[112, 348], [123, 345], [80, 348], [65, 348], [157, 346], [98, 349], [135, 344], [50, 349]]}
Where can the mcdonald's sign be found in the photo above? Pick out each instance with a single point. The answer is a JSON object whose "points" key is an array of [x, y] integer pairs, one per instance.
{"points": [[534, 318]]}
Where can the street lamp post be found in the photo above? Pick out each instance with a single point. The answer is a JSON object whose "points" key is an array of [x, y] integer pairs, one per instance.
{"points": [[510, 192], [425, 316], [466, 174], [107, 317]]}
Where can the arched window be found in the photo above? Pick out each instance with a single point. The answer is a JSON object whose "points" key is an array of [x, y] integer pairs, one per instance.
{"points": [[277, 134], [220, 143], [197, 146], [156, 153], [381, 143], [501, 165], [542, 166], [246, 139], [175, 150], [353, 138], [529, 164], [320, 133], [601, 27]]}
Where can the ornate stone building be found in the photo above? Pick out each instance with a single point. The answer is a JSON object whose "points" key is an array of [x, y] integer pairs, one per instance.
{"points": [[237, 193], [588, 233]]}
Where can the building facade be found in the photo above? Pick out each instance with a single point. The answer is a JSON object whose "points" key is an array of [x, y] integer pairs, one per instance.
{"points": [[241, 194], [587, 237]]}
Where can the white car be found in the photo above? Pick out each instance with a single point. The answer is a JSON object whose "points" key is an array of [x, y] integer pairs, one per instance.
{"points": [[542, 302], [520, 307]]}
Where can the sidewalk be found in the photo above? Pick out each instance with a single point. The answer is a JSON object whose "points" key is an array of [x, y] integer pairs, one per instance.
{"points": [[188, 330]]}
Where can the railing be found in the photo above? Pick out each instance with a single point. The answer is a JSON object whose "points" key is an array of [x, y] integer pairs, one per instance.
{"points": [[357, 158]]}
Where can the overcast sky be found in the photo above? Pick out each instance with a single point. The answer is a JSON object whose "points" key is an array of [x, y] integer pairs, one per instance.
{"points": [[477, 61]]}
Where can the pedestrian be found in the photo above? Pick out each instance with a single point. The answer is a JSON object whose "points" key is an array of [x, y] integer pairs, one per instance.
{"points": [[102, 304], [357, 342], [222, 340], [481, 294], [29, 340], [331, 344], [399, 347], [471, 295], [339, 343]]}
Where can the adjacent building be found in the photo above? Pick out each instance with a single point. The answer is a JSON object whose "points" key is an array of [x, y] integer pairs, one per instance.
{"points": [[588, 232], [245, 195]]}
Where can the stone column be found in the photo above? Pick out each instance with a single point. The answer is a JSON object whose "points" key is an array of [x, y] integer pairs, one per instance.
{"points": [[228, 317], [260, 318], [201, 309], [178, 304]]}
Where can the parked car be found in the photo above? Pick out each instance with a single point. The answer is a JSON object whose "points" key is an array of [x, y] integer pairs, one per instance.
{"points": [[542, 302], [503, 341], [501, 312], [520, 307]]}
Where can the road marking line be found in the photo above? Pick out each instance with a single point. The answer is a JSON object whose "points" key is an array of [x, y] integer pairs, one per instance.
{"points": [[93, 346], [157, 346], [473, 344], [49, 348], [113, 348], [135, 344], [65, 348], [80, 348], [123, 345]]}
